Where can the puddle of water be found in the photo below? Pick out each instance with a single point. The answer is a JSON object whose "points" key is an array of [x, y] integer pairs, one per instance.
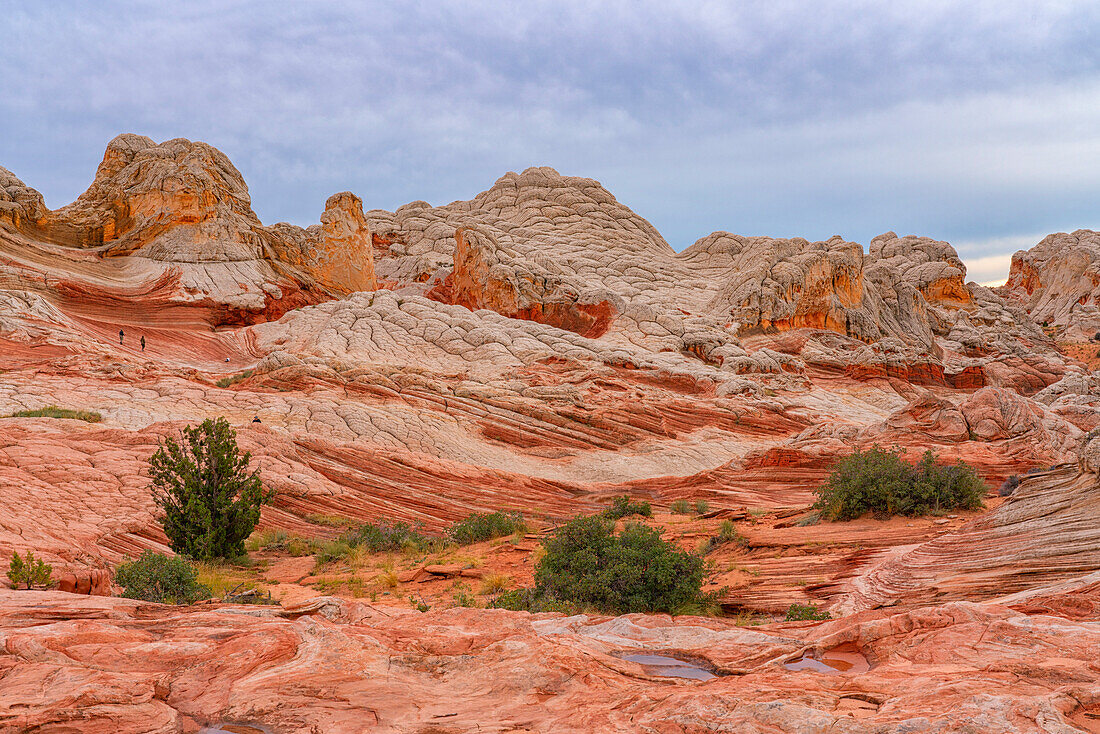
{"points": [[666, 667], [845, 658], [224, 728]]}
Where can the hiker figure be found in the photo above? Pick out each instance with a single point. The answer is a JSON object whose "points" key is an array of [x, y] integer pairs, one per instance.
{"points": [[256, 419], [143, 342], [120, 335]]}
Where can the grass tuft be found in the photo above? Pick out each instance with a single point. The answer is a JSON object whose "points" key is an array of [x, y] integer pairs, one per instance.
{"points": [[727, 534], [52, 411], [495, 583]]}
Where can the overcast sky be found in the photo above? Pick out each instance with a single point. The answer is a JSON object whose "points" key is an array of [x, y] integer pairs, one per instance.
{"points": [[973, 122]]}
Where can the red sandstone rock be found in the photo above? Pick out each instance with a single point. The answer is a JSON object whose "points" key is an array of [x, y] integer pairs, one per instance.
{"points": [[93, 581], [119, 666]]}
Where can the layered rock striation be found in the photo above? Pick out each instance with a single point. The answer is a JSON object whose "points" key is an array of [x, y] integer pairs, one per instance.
{"points": [[539, 347]]}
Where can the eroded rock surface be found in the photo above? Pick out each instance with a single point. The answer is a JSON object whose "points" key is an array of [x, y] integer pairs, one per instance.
{"points": [[337, 666], [1058, 281], [538, 348]]}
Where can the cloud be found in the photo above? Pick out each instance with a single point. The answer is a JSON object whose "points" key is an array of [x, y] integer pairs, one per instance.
{"points": [[963, 121], [990, 270]]}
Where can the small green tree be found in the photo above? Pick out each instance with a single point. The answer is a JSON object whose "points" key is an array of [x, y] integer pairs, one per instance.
{"points": [[162, 579], [209, 498], [30, 571]]}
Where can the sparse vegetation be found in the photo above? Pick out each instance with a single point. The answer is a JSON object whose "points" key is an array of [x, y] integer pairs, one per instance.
{"points": [[806, 613], [281, 540], [727, 533], [495, 583], [529, 600], [29, 571], [483, 526], [387, 579], [685, 507], [159, 578], [234, 379], [52, 411], [378, 537], [882, 482], [680, 507], [273, 539], [229, 583], [209, 498], [623, 506], [461, 597], [330, 521]]}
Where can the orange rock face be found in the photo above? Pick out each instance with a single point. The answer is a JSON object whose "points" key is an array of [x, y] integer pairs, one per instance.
{"points": [[538, 348], [481, 279]]}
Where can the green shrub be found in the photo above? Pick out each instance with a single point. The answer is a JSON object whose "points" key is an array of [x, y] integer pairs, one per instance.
{"points": [[380, 537], [881, 482], [587, 564], [529, 600], [210, 499], [30, 571], [463, 598], [701, 507], [680, 507], [387, 536], [623, 506], [806, 613], [727, 533], [159, 578], [52, 411], [234, 379], [482, 526], [332, 551]]}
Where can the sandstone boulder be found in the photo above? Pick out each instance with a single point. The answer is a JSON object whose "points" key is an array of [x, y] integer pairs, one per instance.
{"points": [[92, 581]]}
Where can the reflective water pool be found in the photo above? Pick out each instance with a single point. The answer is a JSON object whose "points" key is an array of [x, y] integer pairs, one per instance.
{"points": [[844, 658], [668, 667]]}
